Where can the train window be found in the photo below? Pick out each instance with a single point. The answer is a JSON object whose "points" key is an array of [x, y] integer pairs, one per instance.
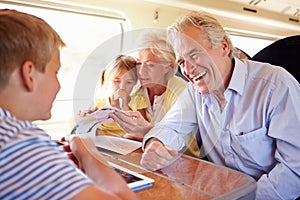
{"points": [[81, 39], [250, 45]]}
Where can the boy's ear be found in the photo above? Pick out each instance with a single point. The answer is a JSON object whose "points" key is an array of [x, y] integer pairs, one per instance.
{"points": [[27, 72]]}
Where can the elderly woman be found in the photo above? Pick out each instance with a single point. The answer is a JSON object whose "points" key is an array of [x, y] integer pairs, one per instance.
{"points": [[156, 68], [159, 89]]}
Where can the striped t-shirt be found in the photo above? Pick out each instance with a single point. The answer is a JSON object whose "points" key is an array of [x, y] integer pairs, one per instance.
{"points": [[32, 166]]}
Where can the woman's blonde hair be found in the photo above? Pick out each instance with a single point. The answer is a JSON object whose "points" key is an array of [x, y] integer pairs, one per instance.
{"points": [[24, 37]]}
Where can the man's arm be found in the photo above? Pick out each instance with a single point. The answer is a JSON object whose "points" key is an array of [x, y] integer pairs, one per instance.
{"points": [[178, 122], [283, 181], [166, 139]]}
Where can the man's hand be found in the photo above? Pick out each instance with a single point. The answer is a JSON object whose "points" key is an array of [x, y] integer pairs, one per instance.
{"points": [[157, 155]]}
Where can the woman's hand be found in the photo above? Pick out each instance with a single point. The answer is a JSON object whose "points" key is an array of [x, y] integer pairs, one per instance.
{"points": [[132, 122]]}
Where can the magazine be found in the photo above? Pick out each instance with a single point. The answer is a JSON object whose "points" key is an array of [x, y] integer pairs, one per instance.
{"points": [[135, 181], [88, 124]]}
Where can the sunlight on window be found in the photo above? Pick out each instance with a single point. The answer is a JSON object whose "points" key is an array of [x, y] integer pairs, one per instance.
{"points": [[82, 34], [249, 45]]}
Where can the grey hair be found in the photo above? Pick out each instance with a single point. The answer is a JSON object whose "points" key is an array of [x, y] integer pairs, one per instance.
{"points": [[209, 26], [155, 40]]}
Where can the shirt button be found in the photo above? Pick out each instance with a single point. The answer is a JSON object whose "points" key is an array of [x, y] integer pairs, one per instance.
{"points": [[225, 129], [228, 153]]}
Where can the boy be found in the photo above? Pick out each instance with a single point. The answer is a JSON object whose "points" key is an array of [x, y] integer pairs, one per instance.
{"points": [[31, 165]]}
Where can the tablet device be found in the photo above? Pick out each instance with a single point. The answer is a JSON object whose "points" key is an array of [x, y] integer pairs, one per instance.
{"points": [[135, 181]]}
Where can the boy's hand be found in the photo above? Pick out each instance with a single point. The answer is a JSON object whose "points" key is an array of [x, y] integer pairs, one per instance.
{"points": [[78, 148], [66, 146]]}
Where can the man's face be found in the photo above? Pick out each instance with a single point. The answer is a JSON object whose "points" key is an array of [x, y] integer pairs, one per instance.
{"points": [[199, 62]]}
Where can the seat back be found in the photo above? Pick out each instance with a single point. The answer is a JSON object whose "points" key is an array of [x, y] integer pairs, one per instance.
{"points": [[285, 53]]}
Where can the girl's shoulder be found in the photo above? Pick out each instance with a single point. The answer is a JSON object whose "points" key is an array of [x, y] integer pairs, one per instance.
{"points": [[139, 100], [100, 102]]}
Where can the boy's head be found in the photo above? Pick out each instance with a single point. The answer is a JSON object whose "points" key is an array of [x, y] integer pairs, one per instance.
{"points": [[24, 37], [29, 62]]}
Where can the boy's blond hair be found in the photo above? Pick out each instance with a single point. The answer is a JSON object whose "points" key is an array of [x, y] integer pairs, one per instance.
{"points": [[24, 37]]}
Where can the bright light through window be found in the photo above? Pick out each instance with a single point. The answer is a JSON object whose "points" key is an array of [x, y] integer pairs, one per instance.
{"points": [[82, 34], [251, 46]]}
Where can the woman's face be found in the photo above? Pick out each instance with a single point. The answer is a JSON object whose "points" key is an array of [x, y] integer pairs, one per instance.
{"points": [[151, 69]]}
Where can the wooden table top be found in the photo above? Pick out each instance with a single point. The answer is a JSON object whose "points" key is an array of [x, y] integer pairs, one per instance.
{"points": [[188, 178]]}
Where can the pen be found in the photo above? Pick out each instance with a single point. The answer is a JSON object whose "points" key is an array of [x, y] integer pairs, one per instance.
{"points": [[59, 142]]}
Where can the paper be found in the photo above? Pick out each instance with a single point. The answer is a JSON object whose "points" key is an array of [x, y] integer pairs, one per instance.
{"points": [[90, 123], [116, 144]]}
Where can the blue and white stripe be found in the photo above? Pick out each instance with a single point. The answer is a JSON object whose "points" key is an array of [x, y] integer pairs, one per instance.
{"points": [[32, 166]]}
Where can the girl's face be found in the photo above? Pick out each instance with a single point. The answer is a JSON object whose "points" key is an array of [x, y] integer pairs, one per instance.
{"points": [[125, 81]]}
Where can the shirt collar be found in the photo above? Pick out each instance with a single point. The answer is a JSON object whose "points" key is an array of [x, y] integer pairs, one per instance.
{"points": [[238, 77], [5, 113]]}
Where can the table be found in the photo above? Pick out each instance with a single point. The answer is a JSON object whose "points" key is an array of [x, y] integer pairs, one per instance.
{"points": [[188, 178]]}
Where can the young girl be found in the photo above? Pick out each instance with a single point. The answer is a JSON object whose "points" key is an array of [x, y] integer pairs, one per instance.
{"points": [[116, 84]]}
